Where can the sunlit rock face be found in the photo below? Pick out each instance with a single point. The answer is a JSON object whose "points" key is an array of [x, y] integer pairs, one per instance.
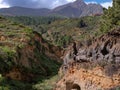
{"points": [[92, 65]]}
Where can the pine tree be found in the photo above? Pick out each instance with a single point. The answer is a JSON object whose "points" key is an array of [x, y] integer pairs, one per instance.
{"points": [[116, 7], [111, 17]]}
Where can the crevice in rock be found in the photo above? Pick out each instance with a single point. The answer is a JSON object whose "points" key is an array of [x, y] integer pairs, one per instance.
{"points": [[71, 86], [76, 87], [75, 49], [104, 51]]}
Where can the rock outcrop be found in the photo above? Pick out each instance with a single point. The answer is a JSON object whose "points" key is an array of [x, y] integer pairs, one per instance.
{"points": [[92, 65]]}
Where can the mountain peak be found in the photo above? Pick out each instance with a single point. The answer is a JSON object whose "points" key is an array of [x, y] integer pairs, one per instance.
{"points": [[79, 1], [78, 4]]}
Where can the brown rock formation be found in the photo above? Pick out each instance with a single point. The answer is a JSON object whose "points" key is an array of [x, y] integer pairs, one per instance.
{"points": [[93, 79], [96, 66]]}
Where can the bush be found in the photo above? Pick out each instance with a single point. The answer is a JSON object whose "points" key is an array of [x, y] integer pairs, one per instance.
{"points": [[2, 26], [8, 84], [28, 30]]}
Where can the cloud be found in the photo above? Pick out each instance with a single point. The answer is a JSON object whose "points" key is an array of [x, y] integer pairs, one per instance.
{"points": [[93, 2], [58, 3], [70, 0], [106, 4], [3, 5], [37, 3]]}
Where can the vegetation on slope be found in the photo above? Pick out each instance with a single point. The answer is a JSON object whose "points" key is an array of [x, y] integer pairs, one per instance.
{"points": [[62, 31], [34, 21], [24, 57], [11, 37]]}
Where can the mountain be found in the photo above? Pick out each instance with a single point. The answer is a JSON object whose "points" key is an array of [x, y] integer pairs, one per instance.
{"points": [[22, 11], [78, 8], [75, 9]]}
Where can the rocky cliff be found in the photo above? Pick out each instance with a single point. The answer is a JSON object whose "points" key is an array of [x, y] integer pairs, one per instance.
{"points": [[92, 65]]}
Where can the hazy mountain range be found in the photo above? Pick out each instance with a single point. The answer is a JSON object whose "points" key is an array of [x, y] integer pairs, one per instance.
{"points": [[75, 9]]}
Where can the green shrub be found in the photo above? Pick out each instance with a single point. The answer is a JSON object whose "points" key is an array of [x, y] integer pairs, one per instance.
{"points": [[28, 30], [9, 51], [8, 84], [2, 25]]}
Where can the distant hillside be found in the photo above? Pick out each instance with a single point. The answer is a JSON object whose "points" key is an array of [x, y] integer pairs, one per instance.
{"points": [[22, 11], [76, 9]]}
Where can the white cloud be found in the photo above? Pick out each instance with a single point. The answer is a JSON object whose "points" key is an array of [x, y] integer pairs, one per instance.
{"points": [[93, 2], [71, 0], [36, 3], [106, 4], [56, 3], [3, 5], [60, 2]]}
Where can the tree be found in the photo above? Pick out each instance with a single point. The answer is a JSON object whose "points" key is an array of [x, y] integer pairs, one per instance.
{"points": [[111, 17], [81, 24], [116, 8]]}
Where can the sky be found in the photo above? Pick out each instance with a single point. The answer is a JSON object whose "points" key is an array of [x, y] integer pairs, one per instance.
{"points": [[47, 3]]}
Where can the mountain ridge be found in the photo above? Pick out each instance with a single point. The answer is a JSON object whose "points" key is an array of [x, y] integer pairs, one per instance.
{"points": [[23, 11], [74, 9]]}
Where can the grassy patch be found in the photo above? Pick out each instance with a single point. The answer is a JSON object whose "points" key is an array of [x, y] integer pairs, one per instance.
{"points": [[47, 84]]}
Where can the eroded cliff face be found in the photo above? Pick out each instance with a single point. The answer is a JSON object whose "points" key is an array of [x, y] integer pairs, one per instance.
{"points": [[92, 65]]}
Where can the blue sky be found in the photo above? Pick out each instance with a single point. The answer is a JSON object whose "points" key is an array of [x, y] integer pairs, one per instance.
{"points": [[47, 3], [99, 1], [104, 3]]}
